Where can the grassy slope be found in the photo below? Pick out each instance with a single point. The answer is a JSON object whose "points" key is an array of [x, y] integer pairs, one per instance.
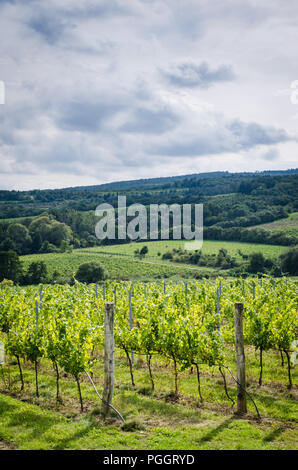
{"points": [[163, 424], [209, 247], [289, 225], [151, 267], [117, 267]]}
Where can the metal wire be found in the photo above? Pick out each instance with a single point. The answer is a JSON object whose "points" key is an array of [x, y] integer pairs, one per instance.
{"points": [[105, 402]]}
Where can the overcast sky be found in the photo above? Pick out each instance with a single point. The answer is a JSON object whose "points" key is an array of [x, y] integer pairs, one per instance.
{"points": [[108, 90]]}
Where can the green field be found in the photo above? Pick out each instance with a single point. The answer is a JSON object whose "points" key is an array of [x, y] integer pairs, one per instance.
{"points": [[120, 263], [116, 267], [289, 225], [209, 247], [156, 421]]}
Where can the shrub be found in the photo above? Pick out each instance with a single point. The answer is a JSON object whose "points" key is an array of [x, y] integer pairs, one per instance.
{"points": [[167, 255], [289, 262], [36, 273], [90, 272]]}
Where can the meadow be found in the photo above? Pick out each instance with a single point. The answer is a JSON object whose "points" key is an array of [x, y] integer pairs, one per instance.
{"points": [[157, 248], [119, 261], [116, 266], [289, 225]]}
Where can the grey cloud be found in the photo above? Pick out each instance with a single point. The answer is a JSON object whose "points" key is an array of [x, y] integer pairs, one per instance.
{"points": [[49, 27], [252, 134], [94, 101], [151, 122], [85, 116], [232, 137], [271, 155], [106, 8], [189, 74], [52, 23]]}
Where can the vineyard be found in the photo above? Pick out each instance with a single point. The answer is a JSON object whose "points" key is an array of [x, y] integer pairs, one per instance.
{"points": [[188, 327]]}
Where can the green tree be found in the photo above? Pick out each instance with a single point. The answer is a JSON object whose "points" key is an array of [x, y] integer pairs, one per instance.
{"points": [[57, 233], [10, 265], [289, 262], [47, 247], [256, 263], [8, 244], [90, 272], [36, 273], [20, 236], [143, 251], [50, 230]]}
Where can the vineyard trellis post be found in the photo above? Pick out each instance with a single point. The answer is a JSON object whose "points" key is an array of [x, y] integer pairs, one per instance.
{"points": [[36, 311], [109, 357], [240, 359], [130, 320], [217, 307], [40, 297]]}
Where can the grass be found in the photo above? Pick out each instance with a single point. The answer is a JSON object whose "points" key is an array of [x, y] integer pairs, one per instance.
{"points": [[153, 421], [15, 220], [289, 225], [209, 247], [119, 261], [116, 267]]}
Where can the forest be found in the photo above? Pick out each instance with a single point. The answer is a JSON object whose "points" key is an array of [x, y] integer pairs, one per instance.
{"points": [[44, 221]]}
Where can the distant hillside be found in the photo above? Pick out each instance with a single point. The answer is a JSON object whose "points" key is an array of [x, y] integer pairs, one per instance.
{"points": [[172, 179]]}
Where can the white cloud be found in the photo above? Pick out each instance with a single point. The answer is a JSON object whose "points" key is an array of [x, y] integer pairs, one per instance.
{"points": [[108, 90]]}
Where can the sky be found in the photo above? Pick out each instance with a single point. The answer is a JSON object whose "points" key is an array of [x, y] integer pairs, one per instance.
{"points": [[110, 90]]}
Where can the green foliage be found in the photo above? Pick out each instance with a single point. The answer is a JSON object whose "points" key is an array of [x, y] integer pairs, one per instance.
{"points": [[90, 272], [19, 234], [36, 273], [256, 263], [182, 324], [289, 262], [236, 208], [10, 265], [143, 250]]}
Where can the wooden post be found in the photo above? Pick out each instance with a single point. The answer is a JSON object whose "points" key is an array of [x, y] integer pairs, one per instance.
{"points": [[130, 321], [40, 297], [240, 359], [109, 361], [36, 311], [217, 307]]}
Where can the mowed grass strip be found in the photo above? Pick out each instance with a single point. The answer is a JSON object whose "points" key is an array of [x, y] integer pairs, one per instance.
{"points": [[154, 421]]}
